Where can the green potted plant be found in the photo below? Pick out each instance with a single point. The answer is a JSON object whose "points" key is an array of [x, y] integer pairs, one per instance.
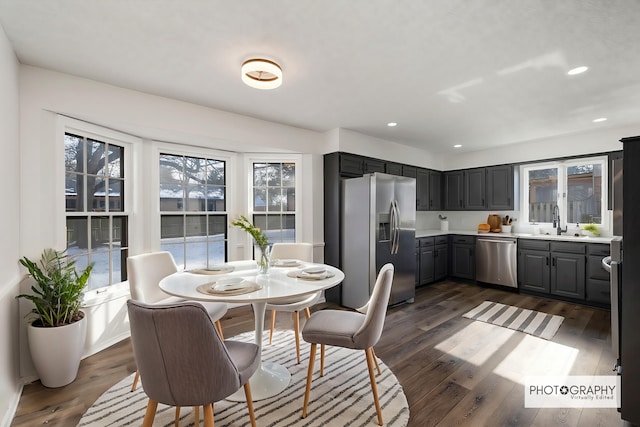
{"points": [[57, 332], [590, 230], [259, 237]]}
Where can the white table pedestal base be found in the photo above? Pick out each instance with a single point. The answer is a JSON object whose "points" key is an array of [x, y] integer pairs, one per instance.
{"points": [[270, 378]]}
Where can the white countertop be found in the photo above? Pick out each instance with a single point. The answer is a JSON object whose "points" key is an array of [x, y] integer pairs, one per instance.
{"points": [[564, 237]]}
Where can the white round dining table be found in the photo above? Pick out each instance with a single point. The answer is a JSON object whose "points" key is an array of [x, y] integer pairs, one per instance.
{"points": [[270, 378]]}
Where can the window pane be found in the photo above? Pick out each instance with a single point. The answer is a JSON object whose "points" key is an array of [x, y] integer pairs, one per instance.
{"points": [[175, 248], [115, 194], [584, 193], [274, 175], [118, 260], [543, 194], [73, 192], [171, 186], [217, 252], [259, 199], [119, 232], [218, 226], [288, 174], [215, 198], [196, 254], [100, 233], [77, 235], [274, 202], [289, 201], [96, 161], [95, 193], [215, 172], [116, 155], [196, 225], [73, 153], [259, 174], [171, 226]]}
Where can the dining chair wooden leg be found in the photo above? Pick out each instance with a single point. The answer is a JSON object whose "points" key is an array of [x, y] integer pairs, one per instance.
{"points": [[176, 421], [208, 415], [307, 392], [196, 416], [219, 328], [135, 381], [374, 387], [375, 359], [322, 360], [150, 414], [307, 312], [273, 325], [296, 328], [247, 395]]}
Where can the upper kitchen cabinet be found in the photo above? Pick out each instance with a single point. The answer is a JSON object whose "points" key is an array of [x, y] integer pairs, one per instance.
{"points": [[374, 165], [422, 190], [453, 190], [499, 187], [350, 165], [394, 169], [490, 188], [410, 171], [435, 190], [474, 189]]}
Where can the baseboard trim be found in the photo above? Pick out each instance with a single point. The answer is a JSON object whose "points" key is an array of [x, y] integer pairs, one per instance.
{"points": [[12, 407]]}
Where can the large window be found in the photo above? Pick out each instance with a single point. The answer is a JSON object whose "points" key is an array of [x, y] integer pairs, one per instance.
{"points": [[96, 218], [576, 187], [274, 200], [193, 217]]}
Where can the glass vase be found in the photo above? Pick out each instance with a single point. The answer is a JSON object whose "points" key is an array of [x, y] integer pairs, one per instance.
{"points": [[262, 259]]}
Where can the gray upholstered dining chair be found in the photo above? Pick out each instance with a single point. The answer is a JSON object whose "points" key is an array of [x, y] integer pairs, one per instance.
{"points": [[144, 274], [172, 374], [350, 329], [301, 252]]}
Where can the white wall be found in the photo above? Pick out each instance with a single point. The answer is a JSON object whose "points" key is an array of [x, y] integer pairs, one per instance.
{"points": [[600, 140], [10, 386]]}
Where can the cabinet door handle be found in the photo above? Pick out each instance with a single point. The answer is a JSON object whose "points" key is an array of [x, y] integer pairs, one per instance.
{"points": [[508, 200], [547, 258], [553, 261]]}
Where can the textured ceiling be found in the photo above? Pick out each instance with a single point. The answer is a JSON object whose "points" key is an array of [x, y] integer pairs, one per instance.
{"points": [[480, 73]]}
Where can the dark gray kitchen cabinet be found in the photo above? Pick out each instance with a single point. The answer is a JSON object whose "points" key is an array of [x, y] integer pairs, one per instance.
{"points": [[441, 258], [453, 190], [534, 270], [553, 268], [474, 189], [463, 260], [427, 260], [393, 168], [568, 275], [410, 171], [598, 280], [435, 190], [374, 165], [350, 165], [422, 190], [499, 187]]}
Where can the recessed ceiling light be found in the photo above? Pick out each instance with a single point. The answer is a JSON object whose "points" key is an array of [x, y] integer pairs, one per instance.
{"points": [[577, 70], [601, 119], [457, 146], [392, 124]]}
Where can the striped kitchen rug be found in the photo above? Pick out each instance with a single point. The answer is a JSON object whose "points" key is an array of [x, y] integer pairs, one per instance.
{"points": [[341, 397], [532, 322]]}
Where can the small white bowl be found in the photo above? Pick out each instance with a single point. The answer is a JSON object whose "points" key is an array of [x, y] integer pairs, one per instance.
{"points": [[315, 270]]}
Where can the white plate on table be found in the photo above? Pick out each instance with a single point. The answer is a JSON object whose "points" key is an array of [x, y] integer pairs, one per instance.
{"points": [[286, 263], [316, 269], [230, 284]]}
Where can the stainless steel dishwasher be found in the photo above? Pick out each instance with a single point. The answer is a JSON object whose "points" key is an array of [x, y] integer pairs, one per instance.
{"points": [[496, 261]]}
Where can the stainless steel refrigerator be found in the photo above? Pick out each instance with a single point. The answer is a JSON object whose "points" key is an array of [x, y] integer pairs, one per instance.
{"points": [[378, 226]]}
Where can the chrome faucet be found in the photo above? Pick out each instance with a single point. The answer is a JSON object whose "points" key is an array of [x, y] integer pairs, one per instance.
{"points": [[556, 221]]}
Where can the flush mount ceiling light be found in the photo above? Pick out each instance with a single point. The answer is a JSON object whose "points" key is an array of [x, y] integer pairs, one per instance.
{"points": [[457, 146], [261, 74], [577, 70]]}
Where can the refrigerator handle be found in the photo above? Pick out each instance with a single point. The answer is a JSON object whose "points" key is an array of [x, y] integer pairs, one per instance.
{"points": [[396, 227], [392, 223]]}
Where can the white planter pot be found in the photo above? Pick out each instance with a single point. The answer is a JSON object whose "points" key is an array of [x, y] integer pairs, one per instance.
{"points": [[56, 352]]}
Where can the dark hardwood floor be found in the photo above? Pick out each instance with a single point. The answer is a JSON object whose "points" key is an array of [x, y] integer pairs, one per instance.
{"points": [[454, 371]]}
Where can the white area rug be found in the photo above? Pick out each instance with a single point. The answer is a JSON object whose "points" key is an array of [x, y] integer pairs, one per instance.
{"points": [[341, 398], [532, 322]]}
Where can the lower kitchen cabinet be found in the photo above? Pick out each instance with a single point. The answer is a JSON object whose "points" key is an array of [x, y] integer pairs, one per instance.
{"points": [[569, 270], [431, 259], [463, 260]]}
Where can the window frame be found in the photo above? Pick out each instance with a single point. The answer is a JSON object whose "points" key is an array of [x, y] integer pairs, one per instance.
{"points": [[177, 149], [128, 143], [562, 198]]}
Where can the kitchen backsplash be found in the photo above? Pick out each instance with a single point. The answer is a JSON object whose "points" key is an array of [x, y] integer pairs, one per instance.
{"points": [[469, 220]]}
